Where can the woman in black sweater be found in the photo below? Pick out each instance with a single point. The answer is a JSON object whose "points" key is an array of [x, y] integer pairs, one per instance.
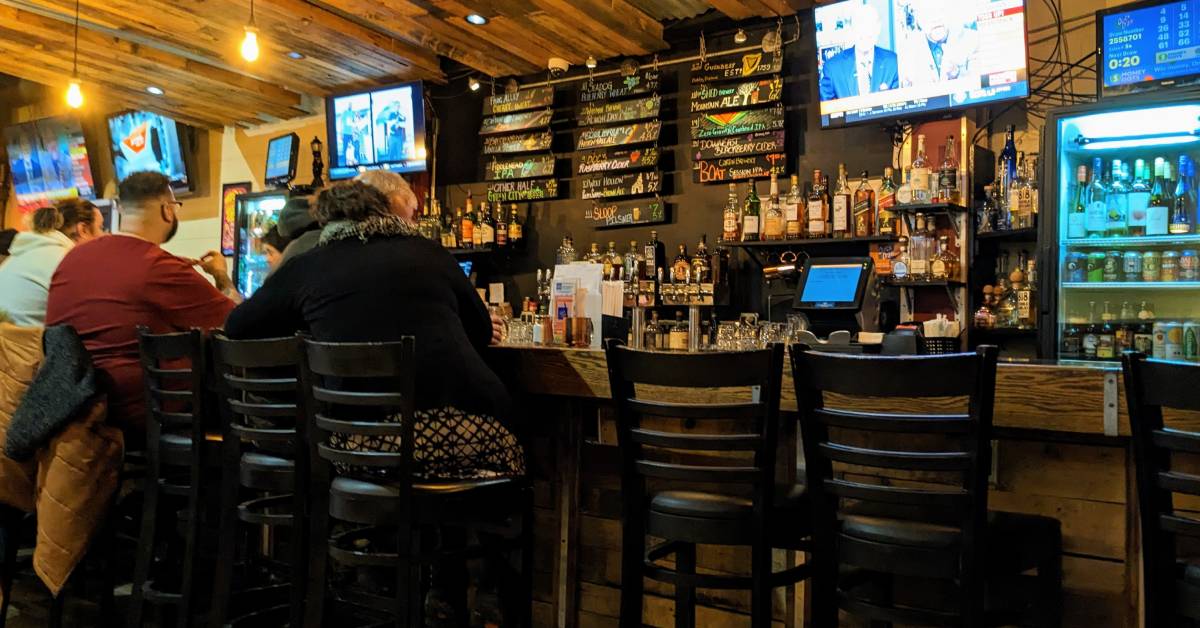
{"points": [[373, 278]]}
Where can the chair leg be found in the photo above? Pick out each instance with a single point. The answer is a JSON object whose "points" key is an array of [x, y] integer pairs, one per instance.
{"points": [[190, 543], [145, 549], [633, 547], [685, 595], [298, 558], [227, 533], [318, 549], [9, 533], [408, 576], [1050, 585], [525, 617], [760, 594]]}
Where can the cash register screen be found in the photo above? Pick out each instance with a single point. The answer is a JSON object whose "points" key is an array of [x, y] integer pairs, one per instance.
{"points": [[832, 285]]}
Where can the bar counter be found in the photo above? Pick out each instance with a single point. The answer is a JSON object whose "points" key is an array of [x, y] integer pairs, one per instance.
{"points": [[1062, 450]]}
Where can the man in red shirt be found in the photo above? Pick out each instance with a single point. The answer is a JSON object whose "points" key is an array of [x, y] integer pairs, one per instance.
{"points": [[105, 288]]}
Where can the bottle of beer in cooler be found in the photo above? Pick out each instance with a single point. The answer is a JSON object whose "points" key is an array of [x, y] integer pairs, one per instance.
{"points": [[751, 208], [1126, 327], [1091, 333], [1144, 191], [1096, 220], [1072, 339], [773, 221], [1077, 217], [731, 223], [864, 208], [817, 209], [1118, 202], [1143, 335], [947, 183], [1106, 339], [793, 211], [885, 217], [841, 205], [1185, 198]]}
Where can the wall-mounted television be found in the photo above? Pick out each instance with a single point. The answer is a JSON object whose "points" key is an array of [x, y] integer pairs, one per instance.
{"points": [[1147, 45], [381, 128], [142, 140], [281, 159], [881, 59], [49, 161]]}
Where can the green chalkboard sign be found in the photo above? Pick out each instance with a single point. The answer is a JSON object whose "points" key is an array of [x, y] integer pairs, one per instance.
{"points": [[615, 185], [737, 168], [621, 111], [735, 145], [519, 167], [617, 159], [737, 122], [525, 190], [736, 95], [523, 100], [523, 143], [626, 213], [740, 67]]}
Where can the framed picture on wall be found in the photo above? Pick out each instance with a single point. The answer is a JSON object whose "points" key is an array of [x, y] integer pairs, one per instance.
{"points": [[229, 194]]}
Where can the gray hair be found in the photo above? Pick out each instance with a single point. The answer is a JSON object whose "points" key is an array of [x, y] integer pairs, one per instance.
{"points": [[389, 183]]}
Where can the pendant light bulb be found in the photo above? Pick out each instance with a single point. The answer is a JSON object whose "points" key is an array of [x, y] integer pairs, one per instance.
{"points": [[250, 44], [591, 62], [74, 94], [740, 37], [473, 84]]}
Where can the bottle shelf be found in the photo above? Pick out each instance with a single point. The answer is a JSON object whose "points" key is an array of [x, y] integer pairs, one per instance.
{"points": [[1004, 332], [1015, 235], [911, 283], [1132, 285], [803, 242], [473, 251], [930, 208], [1133, 241]]}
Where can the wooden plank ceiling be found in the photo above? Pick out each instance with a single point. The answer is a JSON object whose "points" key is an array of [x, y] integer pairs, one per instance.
{"points": [[190, 48]]}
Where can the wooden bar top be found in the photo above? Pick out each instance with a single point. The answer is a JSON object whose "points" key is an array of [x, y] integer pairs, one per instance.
{"points": [[1052, 397]]}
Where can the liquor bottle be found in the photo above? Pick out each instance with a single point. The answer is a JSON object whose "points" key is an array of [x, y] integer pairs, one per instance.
{"points": [[1106, 339], [919, 246], [701, 265], [1096, 220], [516, 230], [611, 260], [1118, 203], [487, 225], [885, 217], [864, 208], [902, 263], [945, 264], [1143, 191], [681, 269], [1185, 199], [1126, 325], [1077, 218], [841, 205], [467, 228], [1026, 303], [566, 251], [985, 222], [451, 234], [792, 204], [656, 257], [731, 226], [501, 227], [1143, 335], [1034, 199], [750, 214], [772, 230], [635, 262], [1025, 195], [937, 264], [1071, 347], [1008, 162], [947, 185], [1091, 335], [904, 193], [594, 256], [818, 209], [920, 177], [652, 332]]}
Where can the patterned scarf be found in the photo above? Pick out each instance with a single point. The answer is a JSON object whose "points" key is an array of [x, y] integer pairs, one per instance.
{"points": [[373, 227]]}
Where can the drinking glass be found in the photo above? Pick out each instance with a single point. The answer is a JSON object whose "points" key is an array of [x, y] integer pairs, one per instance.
{"points": [[727, 335], [747, 336], [505, 320], [771, 332], [520, 332]]}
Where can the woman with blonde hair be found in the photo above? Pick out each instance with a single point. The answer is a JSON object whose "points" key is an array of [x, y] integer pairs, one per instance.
{"points": [[35, 255]]}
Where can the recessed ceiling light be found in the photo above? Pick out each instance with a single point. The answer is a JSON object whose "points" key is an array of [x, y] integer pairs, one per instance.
{"points": [[295, 55], [476, 19], [154, 89]]}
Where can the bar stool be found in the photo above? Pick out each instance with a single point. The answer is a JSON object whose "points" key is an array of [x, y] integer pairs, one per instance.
{"points": [[926, 552], [739, 503], [363, 392], [176, 445], [1171, 583], [262, 455]]}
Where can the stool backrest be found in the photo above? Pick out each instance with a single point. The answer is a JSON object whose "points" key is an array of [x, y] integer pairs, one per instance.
{"points": [[259, 384], [942, 458], [174, 368], [364, 393], [1161, 455], [654, 446]]}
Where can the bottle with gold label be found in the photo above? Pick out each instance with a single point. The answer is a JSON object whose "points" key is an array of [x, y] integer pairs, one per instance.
{"points": [[864, 208], [516, 230], [885, 217], [773, 217], [841, 205], [681, 269], [793, 207], [701, 265], [817, 209], [731, 221]]}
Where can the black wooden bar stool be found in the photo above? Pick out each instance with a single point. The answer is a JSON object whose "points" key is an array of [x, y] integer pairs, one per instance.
{"points": [[1167, 468], [176, 418], [262, 455], [899, 496], [361, 394], [737, 501]]}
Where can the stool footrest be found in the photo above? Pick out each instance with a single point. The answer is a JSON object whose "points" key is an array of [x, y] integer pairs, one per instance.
{"points": [[275, 510]]}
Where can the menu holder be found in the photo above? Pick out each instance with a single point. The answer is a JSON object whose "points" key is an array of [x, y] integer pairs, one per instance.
{"points": [[738, 168]]}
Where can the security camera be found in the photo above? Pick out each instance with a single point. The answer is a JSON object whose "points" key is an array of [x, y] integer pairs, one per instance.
{"points": [[558, 66]]}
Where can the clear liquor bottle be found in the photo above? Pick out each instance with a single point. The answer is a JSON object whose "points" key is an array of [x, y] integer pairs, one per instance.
{"points": [[902, 262], [947, 182], [817, 209], [773, 221], [1117, 200], [919, 243], [1143, 192], [793, 206], [841, 205], [920, 177], [1096, 220]]}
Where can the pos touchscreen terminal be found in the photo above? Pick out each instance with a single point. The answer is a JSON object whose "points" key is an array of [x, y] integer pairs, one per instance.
{"points": [[838, 293]]}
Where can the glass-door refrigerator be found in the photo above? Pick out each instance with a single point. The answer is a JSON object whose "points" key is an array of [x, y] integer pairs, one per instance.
{"points": [[256, 214], [1119, 228]]}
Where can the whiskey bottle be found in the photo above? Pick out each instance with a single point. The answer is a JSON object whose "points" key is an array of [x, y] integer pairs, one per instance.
{"points": [[885, 217], [731, 226], [792, 210], [516, 230], [920, 178], [841, 205], [701, 265], [864, 208], [818, 209], [681, 269], [773, 221], [501, 227], [467, 227]]}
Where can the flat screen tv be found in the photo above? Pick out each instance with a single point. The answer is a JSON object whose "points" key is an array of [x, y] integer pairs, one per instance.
{"points": [[281, 159], [1147, 45], [880, 59], [142, 140], [381, 128], [49, 161]]}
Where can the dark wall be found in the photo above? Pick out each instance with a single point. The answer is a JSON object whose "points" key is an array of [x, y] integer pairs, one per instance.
{"points": [[693, 209]]}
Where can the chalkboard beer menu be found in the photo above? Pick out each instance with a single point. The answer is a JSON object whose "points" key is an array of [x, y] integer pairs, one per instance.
{"points": [[516, 144]]}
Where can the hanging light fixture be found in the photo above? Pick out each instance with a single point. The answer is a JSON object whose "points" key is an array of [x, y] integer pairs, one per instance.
{"points": [[591, 62], [473, 84], [250, 41], [740, 37], [74, 91]]}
